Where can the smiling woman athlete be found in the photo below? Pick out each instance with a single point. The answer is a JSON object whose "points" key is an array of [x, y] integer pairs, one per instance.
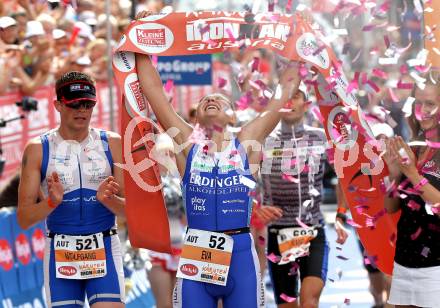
{"points": [[217, 176]]}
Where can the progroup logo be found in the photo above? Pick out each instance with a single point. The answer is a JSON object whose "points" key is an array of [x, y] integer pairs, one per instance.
{"points": [[23, 249], [38, 243], [124, 61], [6, 257], [151, 37]]}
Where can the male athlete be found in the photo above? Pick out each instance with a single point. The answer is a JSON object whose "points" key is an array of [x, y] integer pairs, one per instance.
{"points": [[70, 168], [292, 174], [218, 173]]}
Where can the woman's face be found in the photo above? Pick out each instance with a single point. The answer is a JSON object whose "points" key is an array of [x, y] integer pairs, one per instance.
{"points": [[427, 106], [214, 109]]}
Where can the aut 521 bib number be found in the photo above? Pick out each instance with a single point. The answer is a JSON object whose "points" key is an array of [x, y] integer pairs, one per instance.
{"points": [[80, 257], [206, 257]]}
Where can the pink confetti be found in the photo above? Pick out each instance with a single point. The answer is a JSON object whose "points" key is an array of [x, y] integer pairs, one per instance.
{"points": [[402, 85], [373, 86], [425, 251], [169, 85], [432, 144], [416, 234], [403, 69], [255, 64], [413, 205], [361, 208], [387, 41], [230, 34], [289, 178], [357, 56], [301, 223], [294, 269], [368, 27], [347, 301], [353, 224], [221, 82], [287, 298], [380, 73], [289, 6], [273, 258]]}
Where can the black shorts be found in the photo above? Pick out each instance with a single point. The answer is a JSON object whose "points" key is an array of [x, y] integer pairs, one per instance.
{"points": [[315, 264]]}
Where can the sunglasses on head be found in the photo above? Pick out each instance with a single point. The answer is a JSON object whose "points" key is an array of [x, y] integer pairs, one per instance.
{"points": [[81, 104]]}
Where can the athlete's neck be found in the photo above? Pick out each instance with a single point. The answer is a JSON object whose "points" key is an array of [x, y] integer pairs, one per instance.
{"points": [[289, 125], [68, 134]]}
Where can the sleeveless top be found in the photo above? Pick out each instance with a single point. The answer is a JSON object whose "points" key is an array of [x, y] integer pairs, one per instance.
{"points": [[81, 167], [300, 153], [216, 188]]}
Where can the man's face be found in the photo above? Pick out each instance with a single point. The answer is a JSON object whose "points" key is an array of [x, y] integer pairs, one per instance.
{"points": [[75, 119], [298, 107], [9, 35]]}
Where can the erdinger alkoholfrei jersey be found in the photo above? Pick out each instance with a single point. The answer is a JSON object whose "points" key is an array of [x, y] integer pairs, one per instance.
{"points": [[216, 188], [81, 167]]}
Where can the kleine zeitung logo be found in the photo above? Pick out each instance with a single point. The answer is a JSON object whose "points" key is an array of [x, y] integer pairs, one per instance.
{"points": [[151, 37]]}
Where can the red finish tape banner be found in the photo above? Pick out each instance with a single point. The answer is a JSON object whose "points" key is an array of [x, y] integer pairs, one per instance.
{"points": [[357, 162]]}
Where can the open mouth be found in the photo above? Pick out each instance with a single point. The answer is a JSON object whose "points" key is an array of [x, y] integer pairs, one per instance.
{"points": [[80, 118], [212, 107]]}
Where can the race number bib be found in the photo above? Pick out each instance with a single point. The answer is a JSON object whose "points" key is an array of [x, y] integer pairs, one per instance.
{"points": [[206, 257], [80, 257], [294, 243]]}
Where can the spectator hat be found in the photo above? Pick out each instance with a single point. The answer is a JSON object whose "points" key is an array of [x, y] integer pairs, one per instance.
{"points": [[34, 28], [58, 34], [7, 21]]}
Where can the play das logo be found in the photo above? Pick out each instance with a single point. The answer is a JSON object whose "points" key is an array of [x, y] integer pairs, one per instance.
{"points": [[6, 257], [38, 243], [23, 249]]}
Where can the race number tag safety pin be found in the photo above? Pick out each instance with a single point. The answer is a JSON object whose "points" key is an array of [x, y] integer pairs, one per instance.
{"points": [[206, 257]]}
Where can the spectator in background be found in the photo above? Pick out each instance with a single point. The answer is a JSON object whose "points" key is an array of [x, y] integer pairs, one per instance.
{"points": [[97, 52], [8, 30]]}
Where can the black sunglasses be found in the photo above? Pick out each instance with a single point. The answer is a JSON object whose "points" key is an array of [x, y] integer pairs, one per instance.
{"points": [[81, 104]]}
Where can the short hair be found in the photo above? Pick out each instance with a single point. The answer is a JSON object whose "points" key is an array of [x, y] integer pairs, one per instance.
{"points": [[72, 77]]}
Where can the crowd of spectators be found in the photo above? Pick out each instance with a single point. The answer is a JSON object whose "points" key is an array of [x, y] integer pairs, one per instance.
{"points": [[41, 40]]}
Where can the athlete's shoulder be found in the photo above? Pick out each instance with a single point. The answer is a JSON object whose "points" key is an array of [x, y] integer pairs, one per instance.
{"points": [[109, 134]]}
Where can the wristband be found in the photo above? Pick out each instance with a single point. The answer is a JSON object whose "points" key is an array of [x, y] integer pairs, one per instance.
{"points": [[342, 216], [341, 210], [422, 183], [50, 203]]}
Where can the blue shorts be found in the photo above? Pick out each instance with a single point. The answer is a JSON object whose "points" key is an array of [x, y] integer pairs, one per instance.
{"points": [[71, 293], [243, 289]]}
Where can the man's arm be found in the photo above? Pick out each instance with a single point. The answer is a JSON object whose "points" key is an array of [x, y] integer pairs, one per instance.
{"points": [[30, 212], [260, 127], [152, 88], [111, 191]]}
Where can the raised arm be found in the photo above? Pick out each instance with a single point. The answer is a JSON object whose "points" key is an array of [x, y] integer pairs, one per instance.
{"points": [[260, 127], [152, 88]]}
